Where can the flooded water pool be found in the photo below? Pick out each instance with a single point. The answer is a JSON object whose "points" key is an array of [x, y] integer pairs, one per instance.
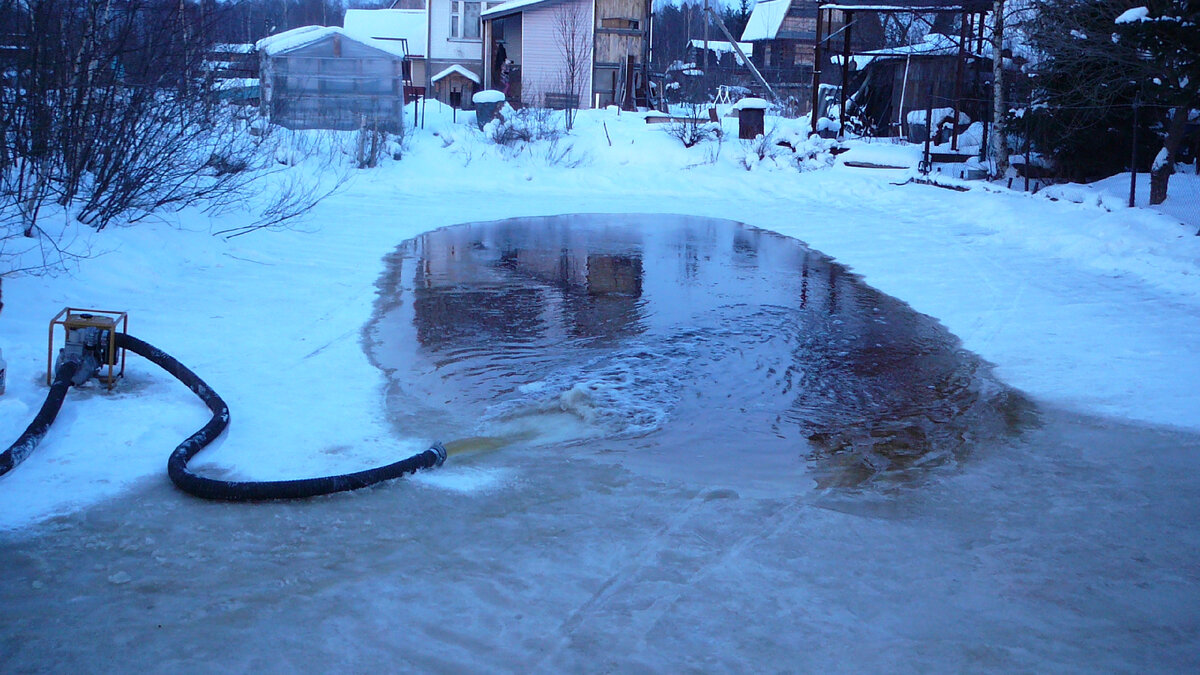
{"points": [[685, 446], [692, 342]]}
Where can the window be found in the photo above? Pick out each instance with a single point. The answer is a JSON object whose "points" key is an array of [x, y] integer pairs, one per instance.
{"points": [[464, 19]]}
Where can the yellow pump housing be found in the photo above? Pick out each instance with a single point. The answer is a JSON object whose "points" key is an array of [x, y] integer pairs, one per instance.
{"points": [[73, 319]]}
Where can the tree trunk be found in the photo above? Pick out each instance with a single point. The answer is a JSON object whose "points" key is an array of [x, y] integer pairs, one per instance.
{"points": [[999, 144], [1164, 164]]}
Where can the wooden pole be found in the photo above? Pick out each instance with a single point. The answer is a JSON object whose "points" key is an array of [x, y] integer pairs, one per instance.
{"points": [[958, 76], [745, 59], [1132, 157], [849, 18]]}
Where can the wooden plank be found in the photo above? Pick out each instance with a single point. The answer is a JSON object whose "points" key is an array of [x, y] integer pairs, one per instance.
{"points": [[872, 165], [667, 119]]}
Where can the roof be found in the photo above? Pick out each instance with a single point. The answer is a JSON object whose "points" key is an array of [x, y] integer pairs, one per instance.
{"points": [[933, 44], [513, 7], [390, 25], [723, 47], [910, 5], [765, 20], [307, 35], [232, 48], [456, 69]]}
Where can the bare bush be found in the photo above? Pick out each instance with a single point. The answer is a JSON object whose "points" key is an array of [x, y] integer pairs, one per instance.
{"points": [[694, 126], [522, 127], [107, 113], [572, 36]]}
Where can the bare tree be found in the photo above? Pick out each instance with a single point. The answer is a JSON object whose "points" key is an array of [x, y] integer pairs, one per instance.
{"points": [[999, 146], [573, 39], [107, 113]]}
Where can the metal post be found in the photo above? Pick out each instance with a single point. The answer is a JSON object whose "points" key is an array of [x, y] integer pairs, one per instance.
{"points": [[816, 80], [1133, 154], [927, 157]]}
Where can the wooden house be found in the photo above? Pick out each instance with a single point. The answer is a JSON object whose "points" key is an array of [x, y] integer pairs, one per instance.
{"points": [[318, 77], [783, 33], [531, 46]]}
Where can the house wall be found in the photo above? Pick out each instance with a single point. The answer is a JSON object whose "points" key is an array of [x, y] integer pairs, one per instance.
{"points": [[445, 51], [616, 41], [541, 53]]}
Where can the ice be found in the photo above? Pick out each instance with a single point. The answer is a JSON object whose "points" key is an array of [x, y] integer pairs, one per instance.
{"points": [[1071, 548]]}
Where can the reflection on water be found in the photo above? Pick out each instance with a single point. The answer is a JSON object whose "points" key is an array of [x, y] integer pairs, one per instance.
{"points": [[674, 331]]}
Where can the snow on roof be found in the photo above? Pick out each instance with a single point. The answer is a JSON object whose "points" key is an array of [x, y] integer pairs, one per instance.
{"points": [[1132, 15], [456, 69], [751, 103], [721, 47], [765, 20], [934, 44], [389, 25], [513, 6], [290, 39], [910, 5], [233, 48], [724, 47], [307, 35]]}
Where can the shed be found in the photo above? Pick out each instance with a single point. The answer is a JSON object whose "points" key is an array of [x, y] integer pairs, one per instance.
{"points": [[893, 82], [456, 78], [317, 77]]}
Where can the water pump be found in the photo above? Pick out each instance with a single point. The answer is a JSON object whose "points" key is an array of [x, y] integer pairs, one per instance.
{"points": [[94, 347]]}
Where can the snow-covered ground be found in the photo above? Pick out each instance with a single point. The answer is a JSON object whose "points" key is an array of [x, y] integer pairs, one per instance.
{"points": [[1089, 308]]}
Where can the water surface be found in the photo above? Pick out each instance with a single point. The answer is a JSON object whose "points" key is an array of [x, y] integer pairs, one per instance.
{"points": [[676, 338], [669, 390]]}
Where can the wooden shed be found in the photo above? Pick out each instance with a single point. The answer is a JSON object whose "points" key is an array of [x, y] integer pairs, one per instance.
{"points": [[890, 83], [319, 77]]}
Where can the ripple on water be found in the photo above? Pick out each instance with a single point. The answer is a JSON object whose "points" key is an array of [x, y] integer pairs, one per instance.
{"points": [[680, 332]]}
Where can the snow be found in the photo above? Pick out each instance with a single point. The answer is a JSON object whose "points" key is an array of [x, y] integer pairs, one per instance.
{"points": [[751, 103], [1160, 160], [233, 48], [306, 35], [1076, 556], [724, 47], [939, 114], [456, 69], [488, 96], [765, 20], [512, 6], [932, 44], [1133, 15], [389, 24]]}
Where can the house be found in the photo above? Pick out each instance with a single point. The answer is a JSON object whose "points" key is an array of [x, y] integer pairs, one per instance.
{"points": [[444, 39], [783, 33], [568, 53], [318, 77]]}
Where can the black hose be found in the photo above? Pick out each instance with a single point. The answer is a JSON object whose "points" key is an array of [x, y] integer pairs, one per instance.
{"points": [[17, 452], [193, 483]]}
